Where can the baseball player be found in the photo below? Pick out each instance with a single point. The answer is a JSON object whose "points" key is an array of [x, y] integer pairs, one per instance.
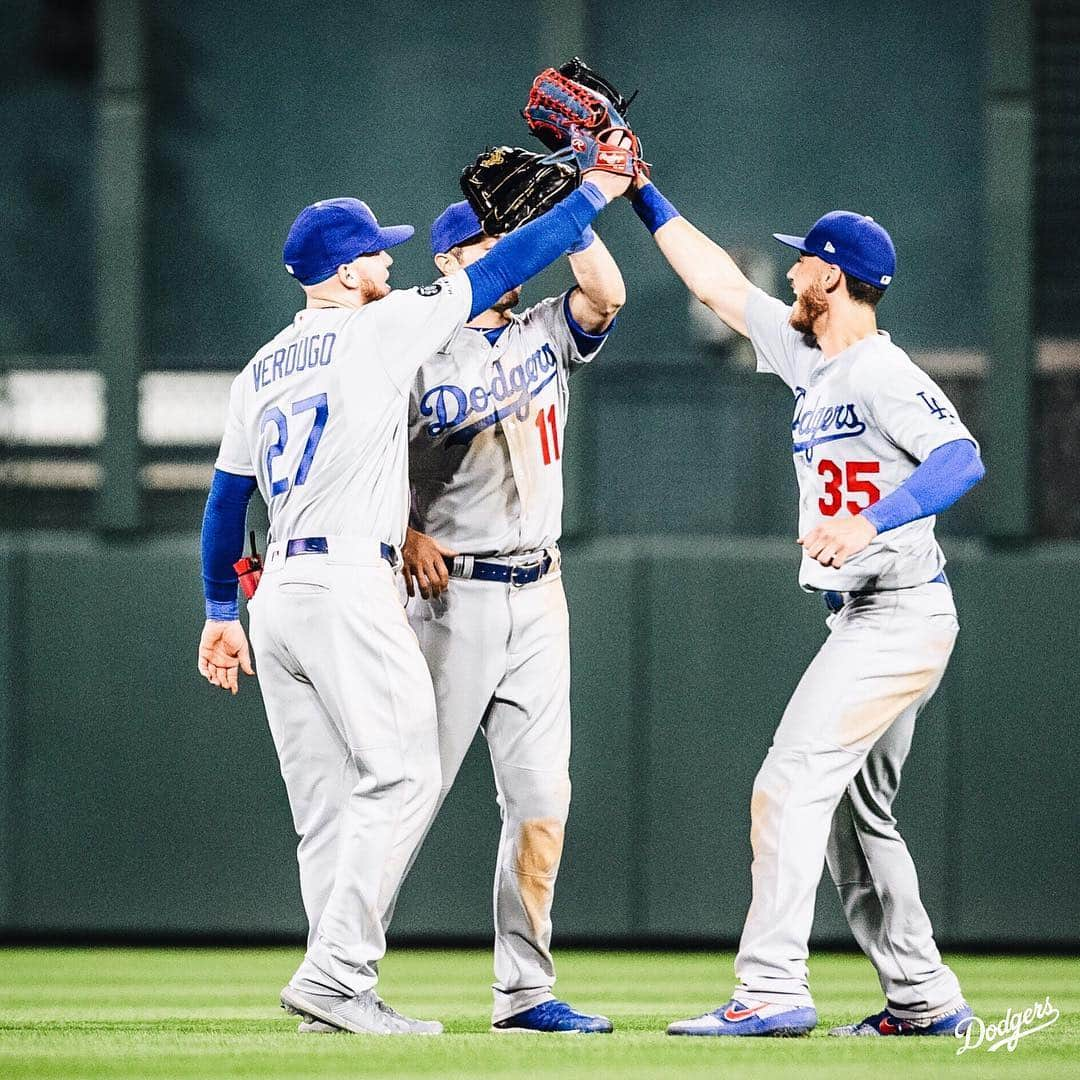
{"points": [[486, 435], [318, 421], [878, 451]]}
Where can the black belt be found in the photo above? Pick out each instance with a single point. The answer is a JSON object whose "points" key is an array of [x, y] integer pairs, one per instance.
{"points": [[317, 545], [508, 575], [834, 601]]}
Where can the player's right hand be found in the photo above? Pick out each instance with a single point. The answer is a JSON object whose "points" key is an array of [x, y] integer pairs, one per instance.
{"points": [[424, 561], [223, 650]]}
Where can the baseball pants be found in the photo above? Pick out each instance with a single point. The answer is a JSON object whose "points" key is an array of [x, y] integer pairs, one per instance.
{"points": [[350, 706], [825, 793], [500, 660]]}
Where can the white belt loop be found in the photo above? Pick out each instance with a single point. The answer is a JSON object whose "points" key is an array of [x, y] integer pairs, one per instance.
{"points": [[274, 559], [462, 566]]}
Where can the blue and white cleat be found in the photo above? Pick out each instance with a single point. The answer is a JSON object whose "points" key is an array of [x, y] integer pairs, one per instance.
{"points": [[885, 1023], [553, 1017], [761, 1019]]}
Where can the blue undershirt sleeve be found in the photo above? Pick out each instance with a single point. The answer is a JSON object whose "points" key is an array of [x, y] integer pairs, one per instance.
{"points": [[526, 251], [586, 343], [947, 473], [223, 541]]}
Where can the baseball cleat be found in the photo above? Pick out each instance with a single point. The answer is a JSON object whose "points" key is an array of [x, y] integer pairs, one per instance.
{"points": [[317, 1027], [408, 1024], [762, 1019], [554, 1017], [885, 1023], [365, 1014]]}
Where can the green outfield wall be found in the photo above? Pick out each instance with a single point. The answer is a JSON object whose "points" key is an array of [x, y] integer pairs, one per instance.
{"points": [[134, 799]]}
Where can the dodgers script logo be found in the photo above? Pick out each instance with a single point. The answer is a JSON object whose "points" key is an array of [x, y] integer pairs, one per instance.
{"points": [[452, 406], [822, 424]]}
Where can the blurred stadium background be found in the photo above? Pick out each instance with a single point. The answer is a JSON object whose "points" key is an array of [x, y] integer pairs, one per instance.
{"points": [[155, 154]]}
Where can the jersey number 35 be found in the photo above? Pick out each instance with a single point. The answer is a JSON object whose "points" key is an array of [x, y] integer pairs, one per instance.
{"points": [[851, 477]]}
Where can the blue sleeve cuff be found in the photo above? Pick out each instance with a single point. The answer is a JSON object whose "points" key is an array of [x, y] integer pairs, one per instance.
{"points": [[894, 510], [222, 610], [586, 343], [583, 242], [651, 206]]}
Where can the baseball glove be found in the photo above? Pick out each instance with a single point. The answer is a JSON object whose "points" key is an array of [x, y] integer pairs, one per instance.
{"points": [[573, 96], [509, 186]]}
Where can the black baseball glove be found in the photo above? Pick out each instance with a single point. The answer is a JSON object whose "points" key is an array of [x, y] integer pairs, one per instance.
{"points": [[509, 186], [576, 68]]}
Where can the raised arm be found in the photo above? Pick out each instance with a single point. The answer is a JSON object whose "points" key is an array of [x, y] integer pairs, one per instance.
{"points": [[601, 291], [706, 269], [526, 251]]}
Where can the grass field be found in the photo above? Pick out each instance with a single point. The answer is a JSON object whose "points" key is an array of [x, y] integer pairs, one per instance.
{"points": [[210, 1013]]}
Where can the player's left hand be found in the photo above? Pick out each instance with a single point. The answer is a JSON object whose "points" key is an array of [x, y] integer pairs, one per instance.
{"points": [[834, 542], [423, 560], [223, 650]]}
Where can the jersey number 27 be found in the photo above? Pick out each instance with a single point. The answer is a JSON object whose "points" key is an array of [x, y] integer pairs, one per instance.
{"points": [[850, 476], [275, 416]]}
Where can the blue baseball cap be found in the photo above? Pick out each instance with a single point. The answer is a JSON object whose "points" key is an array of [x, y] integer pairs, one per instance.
{"points": [[457, 224], [854, 242], [332, 232]]}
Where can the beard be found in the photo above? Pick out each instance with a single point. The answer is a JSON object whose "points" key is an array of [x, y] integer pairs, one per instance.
{"points": [[810, 305], [507, 301], [370, 290]]}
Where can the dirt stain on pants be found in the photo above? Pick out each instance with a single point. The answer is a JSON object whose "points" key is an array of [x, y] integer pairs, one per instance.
{"points": [[539, 849]]}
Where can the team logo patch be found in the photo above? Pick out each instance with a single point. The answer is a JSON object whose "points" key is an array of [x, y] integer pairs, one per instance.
{"points": [[429, 290], [940, 411]]}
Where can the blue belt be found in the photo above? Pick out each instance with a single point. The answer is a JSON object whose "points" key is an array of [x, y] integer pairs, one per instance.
{"points": [[834, 601], [512, 575], [317, 545]]}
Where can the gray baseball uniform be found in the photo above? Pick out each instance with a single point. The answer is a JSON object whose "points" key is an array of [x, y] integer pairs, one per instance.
{"points": [[486, 435], [863, 421], [319, 416]]}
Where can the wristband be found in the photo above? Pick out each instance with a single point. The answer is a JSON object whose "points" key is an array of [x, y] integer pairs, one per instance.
{"points": [[653, 209]]}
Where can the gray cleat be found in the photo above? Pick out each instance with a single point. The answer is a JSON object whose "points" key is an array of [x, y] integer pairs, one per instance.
{"points": [[366, 1014], [360, 1015], [317, 1027], [411, 1026]]}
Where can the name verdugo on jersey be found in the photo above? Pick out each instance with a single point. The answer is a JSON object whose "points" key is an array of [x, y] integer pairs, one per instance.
{"points": [[315, 350]]}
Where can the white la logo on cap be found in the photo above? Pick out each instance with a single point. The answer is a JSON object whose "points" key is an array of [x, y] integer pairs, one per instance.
{"points": [[829, 247], [886, 278]]}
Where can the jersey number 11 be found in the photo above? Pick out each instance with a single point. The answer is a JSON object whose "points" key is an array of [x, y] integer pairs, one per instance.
{"points": [[545, 418]]}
